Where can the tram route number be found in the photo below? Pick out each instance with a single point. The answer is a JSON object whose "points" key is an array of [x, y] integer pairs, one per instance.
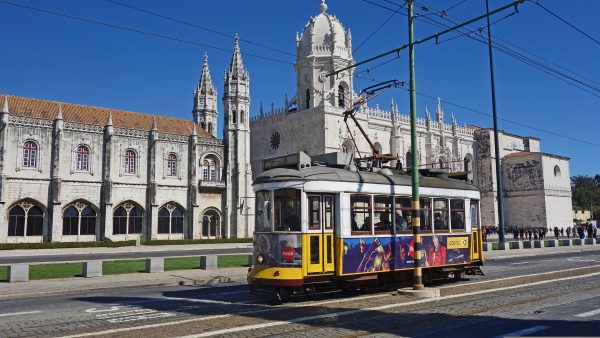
{"points": [[124, 314]]}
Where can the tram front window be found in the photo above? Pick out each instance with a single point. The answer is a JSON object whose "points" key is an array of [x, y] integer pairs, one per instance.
{"points": [[287, 210], [264, 211]]}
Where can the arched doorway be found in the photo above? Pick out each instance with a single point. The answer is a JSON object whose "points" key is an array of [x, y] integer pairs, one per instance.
{"points": [[211, 224]]}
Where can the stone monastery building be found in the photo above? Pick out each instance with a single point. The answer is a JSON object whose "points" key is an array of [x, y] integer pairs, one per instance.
{"points": [[537, 185], [78, 173]]}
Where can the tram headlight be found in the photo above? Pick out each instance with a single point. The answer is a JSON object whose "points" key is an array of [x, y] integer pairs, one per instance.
{"points": [[260, 259]]}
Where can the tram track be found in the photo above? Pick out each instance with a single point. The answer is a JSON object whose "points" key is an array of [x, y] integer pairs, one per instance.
{"points": [[331, 311], [444, 317]]}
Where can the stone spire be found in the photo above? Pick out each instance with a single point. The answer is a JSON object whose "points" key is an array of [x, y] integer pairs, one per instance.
{"points": [[110, 121], [440, 112], [5, 105], [236, 68], [59, 116], [261, 111], [194, 133], [205, 85], [153, 124]]}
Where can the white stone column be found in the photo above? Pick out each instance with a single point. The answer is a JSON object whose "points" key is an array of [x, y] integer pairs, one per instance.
{"points": [[108, 221], [154, 222], [57, 224]]}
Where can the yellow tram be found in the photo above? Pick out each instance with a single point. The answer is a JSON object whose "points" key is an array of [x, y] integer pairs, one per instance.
{"points": [[321, 222]]}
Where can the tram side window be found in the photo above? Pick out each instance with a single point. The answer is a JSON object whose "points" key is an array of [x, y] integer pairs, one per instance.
{"points": [[360, 208], [440, 214], [457, 215], [425, 214], [403, 215], [314, 212], [264, 211], [382, 211], [474, 215], [328, 205], [287, 210]]}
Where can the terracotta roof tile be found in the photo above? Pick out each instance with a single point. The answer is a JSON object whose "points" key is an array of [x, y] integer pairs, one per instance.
{"points": [[76, 113]]}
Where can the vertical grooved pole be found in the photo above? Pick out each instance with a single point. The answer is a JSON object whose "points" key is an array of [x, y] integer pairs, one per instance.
{"points": [[416, 214]]}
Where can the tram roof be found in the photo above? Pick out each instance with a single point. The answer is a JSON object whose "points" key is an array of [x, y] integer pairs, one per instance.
{"points": [[321, 173]]}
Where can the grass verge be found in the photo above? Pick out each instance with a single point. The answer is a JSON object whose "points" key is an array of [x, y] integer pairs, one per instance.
{"points": [[118, 267]]}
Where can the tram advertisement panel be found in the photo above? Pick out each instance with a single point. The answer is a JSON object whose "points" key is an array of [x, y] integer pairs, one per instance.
{"points": [[279, 249], [370, 254]]}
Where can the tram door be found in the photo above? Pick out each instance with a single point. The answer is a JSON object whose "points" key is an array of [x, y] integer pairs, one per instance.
{"points": [[320, 239]]}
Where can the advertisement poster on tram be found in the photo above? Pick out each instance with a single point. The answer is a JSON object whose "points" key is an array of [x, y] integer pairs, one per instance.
{"points": [[372, 254]]}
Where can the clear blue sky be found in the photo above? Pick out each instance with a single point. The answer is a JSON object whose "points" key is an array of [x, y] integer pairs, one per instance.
{"points": [[61, 59]]}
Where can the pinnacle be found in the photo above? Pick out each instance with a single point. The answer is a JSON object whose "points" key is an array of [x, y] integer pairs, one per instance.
{"points": [[5, 105]]}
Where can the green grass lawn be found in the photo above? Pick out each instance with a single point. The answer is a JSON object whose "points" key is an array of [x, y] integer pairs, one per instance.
{"points": [[65, 270]]}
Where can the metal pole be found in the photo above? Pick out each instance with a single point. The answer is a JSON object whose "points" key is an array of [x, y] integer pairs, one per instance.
{"points": [[416, 214], [496, 141]]}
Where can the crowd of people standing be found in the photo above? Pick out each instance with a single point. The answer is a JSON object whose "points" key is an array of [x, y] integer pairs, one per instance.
{"points": [[581, 231]]}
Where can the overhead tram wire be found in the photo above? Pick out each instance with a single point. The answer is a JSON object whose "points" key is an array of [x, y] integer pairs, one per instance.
{"points": [[448, 14], [198, 26], [519, 56], [139, 31], [506, 50], [372, 34], [566, 22], [489, 115]]}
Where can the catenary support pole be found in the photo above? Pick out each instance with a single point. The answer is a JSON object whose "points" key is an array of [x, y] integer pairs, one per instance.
{"points": [[496, 137], [416, 214]]}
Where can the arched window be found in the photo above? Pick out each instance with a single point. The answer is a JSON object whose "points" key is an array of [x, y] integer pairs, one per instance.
{"points": [[441, 162], [234, 117], [205, 170], [127, 219], [242, 117], [79, 219], [556, 171], [210, 169], [341, 96], [409, 160], [82, 160], [308, 99], [130, 162], [25, 219], [467, 161], [30, 152], [210, 128], [211, 224], [203, 125], [378, 147], [170, 220], [348, 146], [172, 165]]}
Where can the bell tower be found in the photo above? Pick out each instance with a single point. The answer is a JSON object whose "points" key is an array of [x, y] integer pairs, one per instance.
{"points": [[323, 47], [239, 204], [205, 101]]}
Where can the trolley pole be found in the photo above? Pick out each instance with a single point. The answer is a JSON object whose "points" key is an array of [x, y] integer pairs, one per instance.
{"points": [[416, 214], [496, 138]]}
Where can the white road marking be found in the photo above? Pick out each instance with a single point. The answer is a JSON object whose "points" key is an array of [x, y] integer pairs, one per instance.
{"points": [[211, 301], [525, 331], [588, 314], [18, 313], [519, 263], [277, 308], [378, 308]]}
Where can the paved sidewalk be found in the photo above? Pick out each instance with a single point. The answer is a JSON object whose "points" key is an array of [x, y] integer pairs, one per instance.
{"points": [[40, 288], [500, 254]]}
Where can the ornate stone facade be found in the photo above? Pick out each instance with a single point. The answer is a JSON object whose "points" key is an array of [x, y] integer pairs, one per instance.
{"points": [[78, 173]]}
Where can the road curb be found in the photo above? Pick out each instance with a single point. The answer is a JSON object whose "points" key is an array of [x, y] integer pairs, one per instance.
{"points": [[554, 252]]}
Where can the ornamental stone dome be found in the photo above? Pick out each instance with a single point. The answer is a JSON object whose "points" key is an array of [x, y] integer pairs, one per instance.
{"points": [[324, 35]]}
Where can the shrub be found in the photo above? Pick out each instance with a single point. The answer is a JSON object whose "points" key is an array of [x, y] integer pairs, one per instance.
{"points": [[198, 241], [62, 245]]}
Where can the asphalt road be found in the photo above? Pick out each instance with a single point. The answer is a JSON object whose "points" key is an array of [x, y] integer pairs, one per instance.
{"points": [[121, 255], [496, 304]]}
